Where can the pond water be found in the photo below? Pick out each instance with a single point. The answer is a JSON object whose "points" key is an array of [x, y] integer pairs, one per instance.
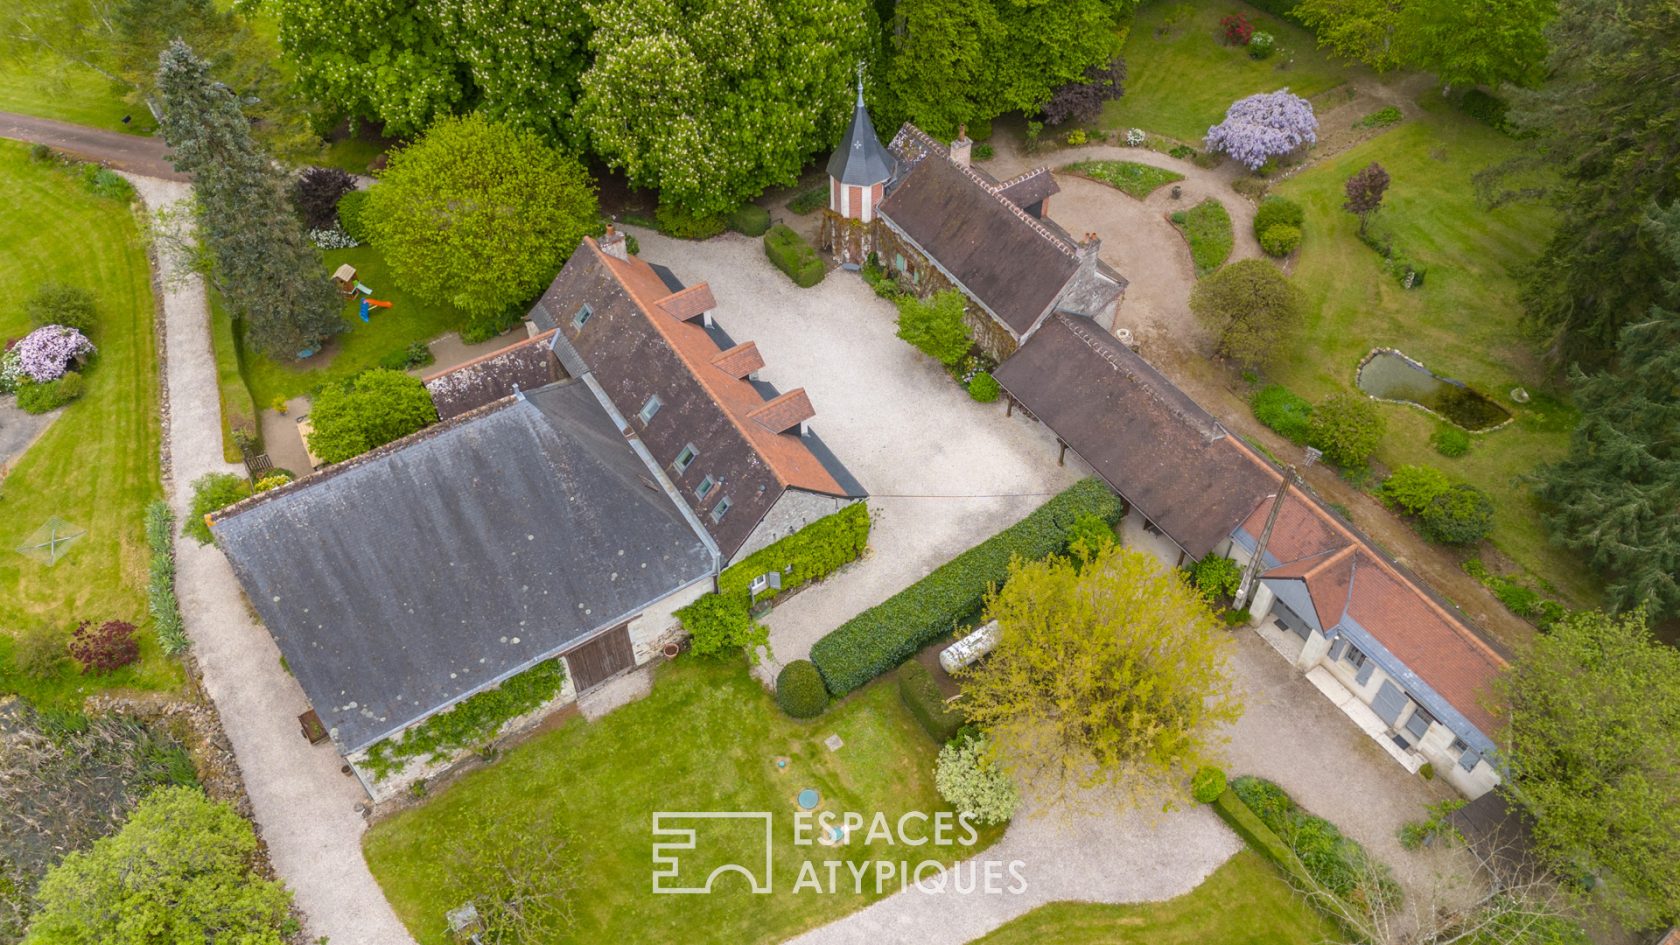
{"points": [[1393, 376]]}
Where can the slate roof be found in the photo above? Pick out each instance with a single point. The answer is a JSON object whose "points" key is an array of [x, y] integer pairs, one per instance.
{"points": [[1013, 264], [1348, 578], [523, 365], [635, 349], [860, 159], [405, 580], [1025, 190], [1149, 441]]}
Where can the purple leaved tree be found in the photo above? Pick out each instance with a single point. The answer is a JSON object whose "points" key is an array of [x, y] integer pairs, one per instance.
{"points": [[1365, 191], [1264, 126], [45, 353]]}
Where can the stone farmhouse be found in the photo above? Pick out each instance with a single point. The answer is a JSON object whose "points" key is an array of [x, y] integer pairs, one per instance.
{"points": [[1401, 663], [534, 521]]}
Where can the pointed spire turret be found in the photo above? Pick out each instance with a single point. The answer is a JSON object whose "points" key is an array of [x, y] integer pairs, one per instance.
{"points": [[860, 160]]}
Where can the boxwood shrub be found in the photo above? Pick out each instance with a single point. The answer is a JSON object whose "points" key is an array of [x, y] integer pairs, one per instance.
{"points": [[922, 697], [884, 636], [750, 219], [800, 691], [792, 255]]}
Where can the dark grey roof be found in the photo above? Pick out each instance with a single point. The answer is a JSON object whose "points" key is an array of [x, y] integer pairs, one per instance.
{"points": [[1171, 460], [409, 578], [860, 159], [523, 365]]}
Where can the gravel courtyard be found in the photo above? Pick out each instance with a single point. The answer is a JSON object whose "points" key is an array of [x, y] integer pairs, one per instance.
{"points": [[942, 471]]}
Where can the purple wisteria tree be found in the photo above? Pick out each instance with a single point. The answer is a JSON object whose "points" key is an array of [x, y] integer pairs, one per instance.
{"points": [[45, 353], [1264, 126]]}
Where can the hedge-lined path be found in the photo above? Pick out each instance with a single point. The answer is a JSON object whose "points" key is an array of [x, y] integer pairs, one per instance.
{"points": [[132, 153], [304, 807]]}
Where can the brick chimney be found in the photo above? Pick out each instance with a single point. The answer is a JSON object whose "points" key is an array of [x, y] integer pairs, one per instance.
{"points": [[1089, 246], [613, 244], [962, 148]]}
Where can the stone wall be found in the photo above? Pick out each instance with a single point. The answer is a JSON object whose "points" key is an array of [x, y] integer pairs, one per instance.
{"points": [[922, 278]]}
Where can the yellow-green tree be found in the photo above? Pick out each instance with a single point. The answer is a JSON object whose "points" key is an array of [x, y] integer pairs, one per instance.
{"points": [[1110, 670]]}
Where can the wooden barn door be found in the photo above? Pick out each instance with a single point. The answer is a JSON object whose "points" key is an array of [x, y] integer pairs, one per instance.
{"points": [[601, 659]]}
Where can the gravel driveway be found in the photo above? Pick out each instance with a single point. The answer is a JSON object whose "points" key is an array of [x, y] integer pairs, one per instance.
{"points": [[303, 805], [943, 472]]}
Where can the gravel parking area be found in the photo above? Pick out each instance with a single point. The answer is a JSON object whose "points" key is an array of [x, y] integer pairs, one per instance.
{"points": [[943, 472]]}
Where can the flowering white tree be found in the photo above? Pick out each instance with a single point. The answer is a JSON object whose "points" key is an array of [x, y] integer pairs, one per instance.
{"points": [[45, 353], [1263, 126]]}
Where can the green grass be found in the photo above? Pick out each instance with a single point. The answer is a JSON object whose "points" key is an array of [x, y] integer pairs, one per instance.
{"points": [[97, 466], [238, 406], [1244, 902], [360, 346], [1180, 82], [43, 87], [706, 739], [1207, 228], [1128, 177], [1464, 322]]}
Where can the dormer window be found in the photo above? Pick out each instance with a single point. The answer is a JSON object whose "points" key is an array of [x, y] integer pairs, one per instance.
{"points": [[649, 409], [721, 510], [705, 488], [684, 459], [582, 316]]}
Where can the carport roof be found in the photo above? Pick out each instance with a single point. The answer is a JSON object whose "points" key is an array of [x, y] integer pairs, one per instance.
{"points": [[1169, 458], [402, 581]]}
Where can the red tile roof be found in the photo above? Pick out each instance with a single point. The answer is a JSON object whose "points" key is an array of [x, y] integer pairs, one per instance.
{"points": [[691, 302], [739, 361], [785, 412]]}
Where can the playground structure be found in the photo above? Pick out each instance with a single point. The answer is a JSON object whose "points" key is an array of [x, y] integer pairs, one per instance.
{"points": [[371, 303]]}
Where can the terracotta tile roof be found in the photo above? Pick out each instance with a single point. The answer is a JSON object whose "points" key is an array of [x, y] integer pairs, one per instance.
{"points": [[1345, 574], [637, 350], [691, 302], [785, 412], [739, 361], [525, 365]]}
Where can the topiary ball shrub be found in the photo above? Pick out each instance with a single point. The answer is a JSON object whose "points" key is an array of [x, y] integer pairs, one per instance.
{"points": [[105, 648], [800, 690], [1278, 211], [56, 303], [1462, 515], [350, 215], [750, 219], [1280, 240], [1207, 784], [1451, 442], [984, 388]]}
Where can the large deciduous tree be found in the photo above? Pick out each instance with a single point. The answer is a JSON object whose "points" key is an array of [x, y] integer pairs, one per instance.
{"points": [[1616, 496], [1593, 747], [182, 869], [479, 214], [712, 101], [1250, 307], [1608, 127], [406, 65], [264, 264], [1264, 126], [1110, 670], [1481, 43]]}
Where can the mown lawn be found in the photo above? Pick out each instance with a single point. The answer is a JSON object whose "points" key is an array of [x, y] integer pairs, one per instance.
{"points": [[97, 466], [706, 739], [1464, 322], [360, 346], [1180, 77], [39, 86], [1128, 177], [1244, 902]]}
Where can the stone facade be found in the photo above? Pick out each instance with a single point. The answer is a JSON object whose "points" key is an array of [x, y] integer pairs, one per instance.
{"points": [[793, 511]]}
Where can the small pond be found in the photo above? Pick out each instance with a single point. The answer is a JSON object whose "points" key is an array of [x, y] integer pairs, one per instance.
{"points": [[1393, 376]]}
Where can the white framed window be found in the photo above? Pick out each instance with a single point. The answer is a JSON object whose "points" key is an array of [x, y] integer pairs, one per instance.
{"points": [[650, 408], [685, 459], [582, 316], [705, 488], [721, 510]]}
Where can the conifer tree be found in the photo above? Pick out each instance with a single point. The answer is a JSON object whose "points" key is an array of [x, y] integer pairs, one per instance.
{"points": [[1617, 494], [264, 264]]}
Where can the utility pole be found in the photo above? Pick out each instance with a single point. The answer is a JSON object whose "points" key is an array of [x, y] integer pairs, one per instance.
{"points": [[1251, 574]]}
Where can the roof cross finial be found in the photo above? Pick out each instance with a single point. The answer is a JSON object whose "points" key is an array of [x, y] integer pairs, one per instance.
{"points": [[860, 83]]}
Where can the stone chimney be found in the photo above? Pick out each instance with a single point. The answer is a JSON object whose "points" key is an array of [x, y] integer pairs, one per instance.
{"points": [[962, 148], [1089, 246], [613, 244]]}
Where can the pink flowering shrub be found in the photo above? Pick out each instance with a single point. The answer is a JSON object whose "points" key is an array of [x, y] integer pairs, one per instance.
{"points": [[46, 353], [1264, 126]]}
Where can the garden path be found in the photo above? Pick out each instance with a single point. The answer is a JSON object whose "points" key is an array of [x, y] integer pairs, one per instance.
{"points": [[304, 807], [131, 153]]}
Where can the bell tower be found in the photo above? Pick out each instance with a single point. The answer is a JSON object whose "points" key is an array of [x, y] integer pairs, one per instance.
{"points": [[859, 169]]}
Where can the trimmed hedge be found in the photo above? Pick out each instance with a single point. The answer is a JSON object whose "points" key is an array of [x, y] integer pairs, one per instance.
{"points": [[792, 255], [750, 219], [1208, 784], [882, 637], [922, 697], [800, 691], [810, 554], [1257, 835]]}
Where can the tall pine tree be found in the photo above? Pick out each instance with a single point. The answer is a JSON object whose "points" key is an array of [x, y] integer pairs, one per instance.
{"points": [[1617, 495], [265, 266]]}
